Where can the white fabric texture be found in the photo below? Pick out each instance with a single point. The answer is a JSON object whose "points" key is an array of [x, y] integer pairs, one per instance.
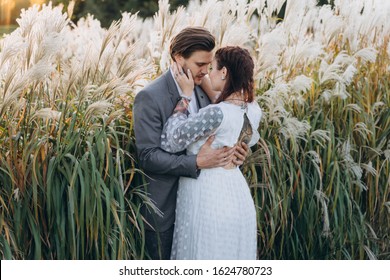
{"points": [[215, 213]]}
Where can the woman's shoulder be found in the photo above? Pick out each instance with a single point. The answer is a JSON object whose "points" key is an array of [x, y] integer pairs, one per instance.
{"points": [[212, 108], [254, 111], [254, 107]]}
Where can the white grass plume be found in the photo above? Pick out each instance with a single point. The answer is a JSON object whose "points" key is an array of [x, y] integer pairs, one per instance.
{"points": [[350, 165], [47, 114], [324, 200], [294, 129], [97, 109]]}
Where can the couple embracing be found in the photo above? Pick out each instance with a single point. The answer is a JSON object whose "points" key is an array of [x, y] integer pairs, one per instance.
{"points": [[192, 133]]}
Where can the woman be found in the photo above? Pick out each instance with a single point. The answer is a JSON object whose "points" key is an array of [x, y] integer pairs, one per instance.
{"points": [[215, 213]]}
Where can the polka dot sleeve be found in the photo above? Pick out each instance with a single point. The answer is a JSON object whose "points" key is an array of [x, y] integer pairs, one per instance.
{"points": [[181, 130]]}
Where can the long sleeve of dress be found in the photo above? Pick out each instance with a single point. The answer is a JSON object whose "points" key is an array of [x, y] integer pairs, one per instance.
{"points": [[181, 130]]}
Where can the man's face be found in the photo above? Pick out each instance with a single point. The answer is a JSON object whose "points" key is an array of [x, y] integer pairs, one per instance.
{"points": [[198, 63]]}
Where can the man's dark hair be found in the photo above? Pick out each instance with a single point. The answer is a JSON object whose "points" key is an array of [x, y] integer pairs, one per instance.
{"points": [[191, 39]]}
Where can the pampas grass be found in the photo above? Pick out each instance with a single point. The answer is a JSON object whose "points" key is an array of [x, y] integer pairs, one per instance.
{"points": [[70, 184]]}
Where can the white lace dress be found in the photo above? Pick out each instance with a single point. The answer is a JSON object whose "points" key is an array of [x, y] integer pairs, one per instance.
{"points": [[215, 213]]}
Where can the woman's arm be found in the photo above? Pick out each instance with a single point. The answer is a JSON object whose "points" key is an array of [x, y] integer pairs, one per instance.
{"points": [[182, 129]]}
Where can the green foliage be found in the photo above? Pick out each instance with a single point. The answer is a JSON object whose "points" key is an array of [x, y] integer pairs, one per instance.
{"points": [[70, 187], [310, 202], [108, 10], [6, 29], [70, 200]]}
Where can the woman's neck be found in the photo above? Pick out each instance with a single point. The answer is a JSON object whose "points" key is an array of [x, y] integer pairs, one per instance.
{"points": [[237, 96], [237, 99]]}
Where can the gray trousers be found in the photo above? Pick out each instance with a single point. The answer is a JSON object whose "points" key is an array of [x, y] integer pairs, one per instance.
{"points": [[159, 244]]}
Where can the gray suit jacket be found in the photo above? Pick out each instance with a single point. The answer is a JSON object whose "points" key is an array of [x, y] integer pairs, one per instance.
{"points": [[152, 107]]}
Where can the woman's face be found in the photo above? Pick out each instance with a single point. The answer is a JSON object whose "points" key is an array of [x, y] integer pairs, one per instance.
{"points": [[217, 77]]}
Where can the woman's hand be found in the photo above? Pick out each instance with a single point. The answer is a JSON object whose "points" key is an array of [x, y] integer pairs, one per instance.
{"points": [[208, 89], [184, 80]]}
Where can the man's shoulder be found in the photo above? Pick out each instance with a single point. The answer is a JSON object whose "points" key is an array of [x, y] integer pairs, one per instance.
{"points": [[156, 86]]}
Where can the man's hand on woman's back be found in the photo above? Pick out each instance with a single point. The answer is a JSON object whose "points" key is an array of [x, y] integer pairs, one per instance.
{"points": [[209, 157]]}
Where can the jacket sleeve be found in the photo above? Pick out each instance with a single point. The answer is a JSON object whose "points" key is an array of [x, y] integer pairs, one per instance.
{"points": [[148, 125]]}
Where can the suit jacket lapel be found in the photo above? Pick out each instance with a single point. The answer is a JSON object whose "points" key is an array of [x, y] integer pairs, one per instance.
{"points": [[201, 97]]}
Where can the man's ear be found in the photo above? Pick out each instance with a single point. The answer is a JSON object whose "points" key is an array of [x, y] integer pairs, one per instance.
{"points": [[179, 59]]}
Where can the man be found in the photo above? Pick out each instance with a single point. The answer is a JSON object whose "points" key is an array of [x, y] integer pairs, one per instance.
{"points": [[192, 50]]}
